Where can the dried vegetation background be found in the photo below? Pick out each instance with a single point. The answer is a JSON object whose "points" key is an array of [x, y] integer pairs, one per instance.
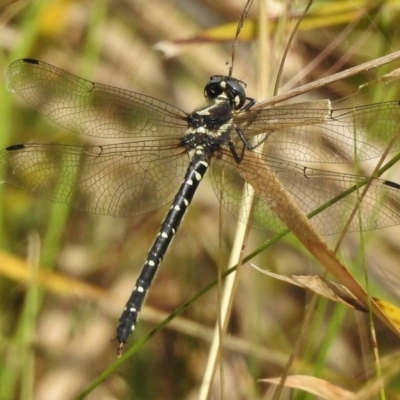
{"points": [[57, 321]]}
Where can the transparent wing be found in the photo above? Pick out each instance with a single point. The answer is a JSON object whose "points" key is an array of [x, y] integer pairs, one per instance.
{"points": [[311, 188], [313, 132], [136, 177], [91, 108], [117, 179]]}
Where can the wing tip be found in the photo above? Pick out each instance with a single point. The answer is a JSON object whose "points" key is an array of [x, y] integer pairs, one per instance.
{"points": [[15, 147], [30, 61]]}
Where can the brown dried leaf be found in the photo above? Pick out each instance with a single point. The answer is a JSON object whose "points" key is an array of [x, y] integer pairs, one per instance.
{"points": [[335, 292], [316, 386]]}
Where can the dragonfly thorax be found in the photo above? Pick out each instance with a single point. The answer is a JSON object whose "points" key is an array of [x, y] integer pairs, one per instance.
{"points": [[210, 126]]}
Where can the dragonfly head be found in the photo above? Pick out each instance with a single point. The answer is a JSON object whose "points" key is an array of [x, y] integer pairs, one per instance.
{"points": [[221, 86]]}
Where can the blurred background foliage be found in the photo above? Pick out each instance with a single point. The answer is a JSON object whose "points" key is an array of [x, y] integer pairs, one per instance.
{"points": [[57, 320]]}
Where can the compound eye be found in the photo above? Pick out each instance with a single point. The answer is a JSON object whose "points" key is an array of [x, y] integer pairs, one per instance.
{"points": [[214, 88], [225, 86], [236, 93]]}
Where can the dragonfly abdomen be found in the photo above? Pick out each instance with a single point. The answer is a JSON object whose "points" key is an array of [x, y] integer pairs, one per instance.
{"points": [[195, 173]]}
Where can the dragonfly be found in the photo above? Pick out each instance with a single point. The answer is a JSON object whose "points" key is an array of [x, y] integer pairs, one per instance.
{"points": [[155, 153]]}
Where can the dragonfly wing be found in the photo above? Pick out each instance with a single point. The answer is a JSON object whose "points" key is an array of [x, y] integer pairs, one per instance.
{"points": [[91, 108], [313, 132], [311, 188], [116, 179]]}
